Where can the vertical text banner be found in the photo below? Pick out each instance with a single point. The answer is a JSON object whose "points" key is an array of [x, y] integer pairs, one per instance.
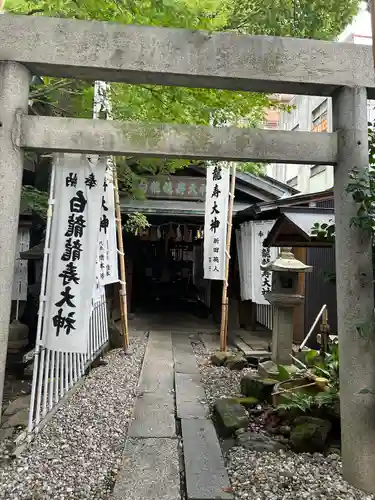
{"points": [[107, 268], [20, 281], [216, 221], [74, 238], [260, 255]]}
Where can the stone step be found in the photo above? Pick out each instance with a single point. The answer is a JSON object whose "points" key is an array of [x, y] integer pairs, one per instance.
{"points": [[149, 470], [153, 416], [190, 396], [205, 473]]}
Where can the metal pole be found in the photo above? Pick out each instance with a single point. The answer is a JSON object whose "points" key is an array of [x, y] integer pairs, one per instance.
{"points": [[224, 302], [355, 294], [371, 6], [312, 328], [14, 93]]}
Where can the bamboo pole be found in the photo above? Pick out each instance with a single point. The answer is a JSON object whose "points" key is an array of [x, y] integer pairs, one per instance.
{"points": [[120, 242], [224, 302]]}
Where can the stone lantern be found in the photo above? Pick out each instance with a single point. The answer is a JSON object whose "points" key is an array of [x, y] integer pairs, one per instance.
{"points": [[284, 297]]}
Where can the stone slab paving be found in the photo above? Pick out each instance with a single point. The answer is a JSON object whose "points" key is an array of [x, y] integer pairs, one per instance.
{"points": [[205, 473], [190, 396], [149, 471], [157, 375], [150, 468], [184, 358], [154, 416]]}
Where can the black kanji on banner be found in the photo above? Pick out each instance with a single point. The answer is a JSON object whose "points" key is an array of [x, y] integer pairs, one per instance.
{"points": [[76, 224], [73, 250], [61, 322], [78, 203], [266, 275], [104, 223], [91, 181], [69, 274], [64, 319], [216, 175], [214, 224], [216, 191], [71, 180]]}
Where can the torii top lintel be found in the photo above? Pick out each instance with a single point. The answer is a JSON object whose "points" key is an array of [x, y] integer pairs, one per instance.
{"points": [[96, 50]]}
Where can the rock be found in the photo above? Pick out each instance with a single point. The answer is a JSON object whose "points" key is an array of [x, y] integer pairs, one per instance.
{"points": [[17, 405], [18, 336], [230, 416], [309, 434], [116, 340], [248, 402], [236, 363], [227, 444], [19, 419], [285, 430], [258, 442], [6, 434], [268, 369], [218, 358], [28, 371], [257, 387]]}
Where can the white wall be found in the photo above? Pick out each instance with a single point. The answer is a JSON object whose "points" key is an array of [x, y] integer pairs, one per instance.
{"points": [[306, 178]]}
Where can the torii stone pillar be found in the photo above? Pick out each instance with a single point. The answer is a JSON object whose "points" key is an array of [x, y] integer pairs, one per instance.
{"points": [[355, 294], [14, 93]]}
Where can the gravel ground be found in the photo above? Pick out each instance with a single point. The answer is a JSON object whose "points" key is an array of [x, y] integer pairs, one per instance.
{"points": [[274, 476], [287, 476], [77, 454], [218, 381]]}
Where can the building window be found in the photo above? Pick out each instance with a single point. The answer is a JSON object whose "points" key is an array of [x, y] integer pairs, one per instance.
{"points": [[272, 125], [317, 169], [320, 118], [292, 182]]}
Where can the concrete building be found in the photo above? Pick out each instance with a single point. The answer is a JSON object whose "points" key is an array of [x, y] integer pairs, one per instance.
{"points": [[315, 114]]}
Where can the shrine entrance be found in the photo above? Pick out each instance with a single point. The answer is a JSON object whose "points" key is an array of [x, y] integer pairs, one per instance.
{"points": [[92, 51], [165, 260], [168, 270]]}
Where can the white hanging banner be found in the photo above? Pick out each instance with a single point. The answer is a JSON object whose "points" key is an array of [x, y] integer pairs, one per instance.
{"points": [[245, 260], [107, 271], [216, 220], [261, 281], [20, 281], [74, 235]]}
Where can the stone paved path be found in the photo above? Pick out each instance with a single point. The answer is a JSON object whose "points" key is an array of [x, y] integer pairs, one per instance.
{"points": [[172, 451]]}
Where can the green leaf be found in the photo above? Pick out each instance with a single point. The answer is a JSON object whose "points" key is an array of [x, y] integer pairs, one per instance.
{"points": [[322, 19], [283, 373], [311, 355]]}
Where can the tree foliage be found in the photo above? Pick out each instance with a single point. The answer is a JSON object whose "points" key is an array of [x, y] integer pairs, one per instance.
{"points": [[152, 103], [362, 189], [319, 19], [304, 18]]}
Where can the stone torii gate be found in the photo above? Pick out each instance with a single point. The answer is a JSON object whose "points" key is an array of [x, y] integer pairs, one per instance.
{"points": [[140, 55]]}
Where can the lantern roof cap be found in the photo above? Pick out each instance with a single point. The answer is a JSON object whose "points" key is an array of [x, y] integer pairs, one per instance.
{"points": [[286, 262]]}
